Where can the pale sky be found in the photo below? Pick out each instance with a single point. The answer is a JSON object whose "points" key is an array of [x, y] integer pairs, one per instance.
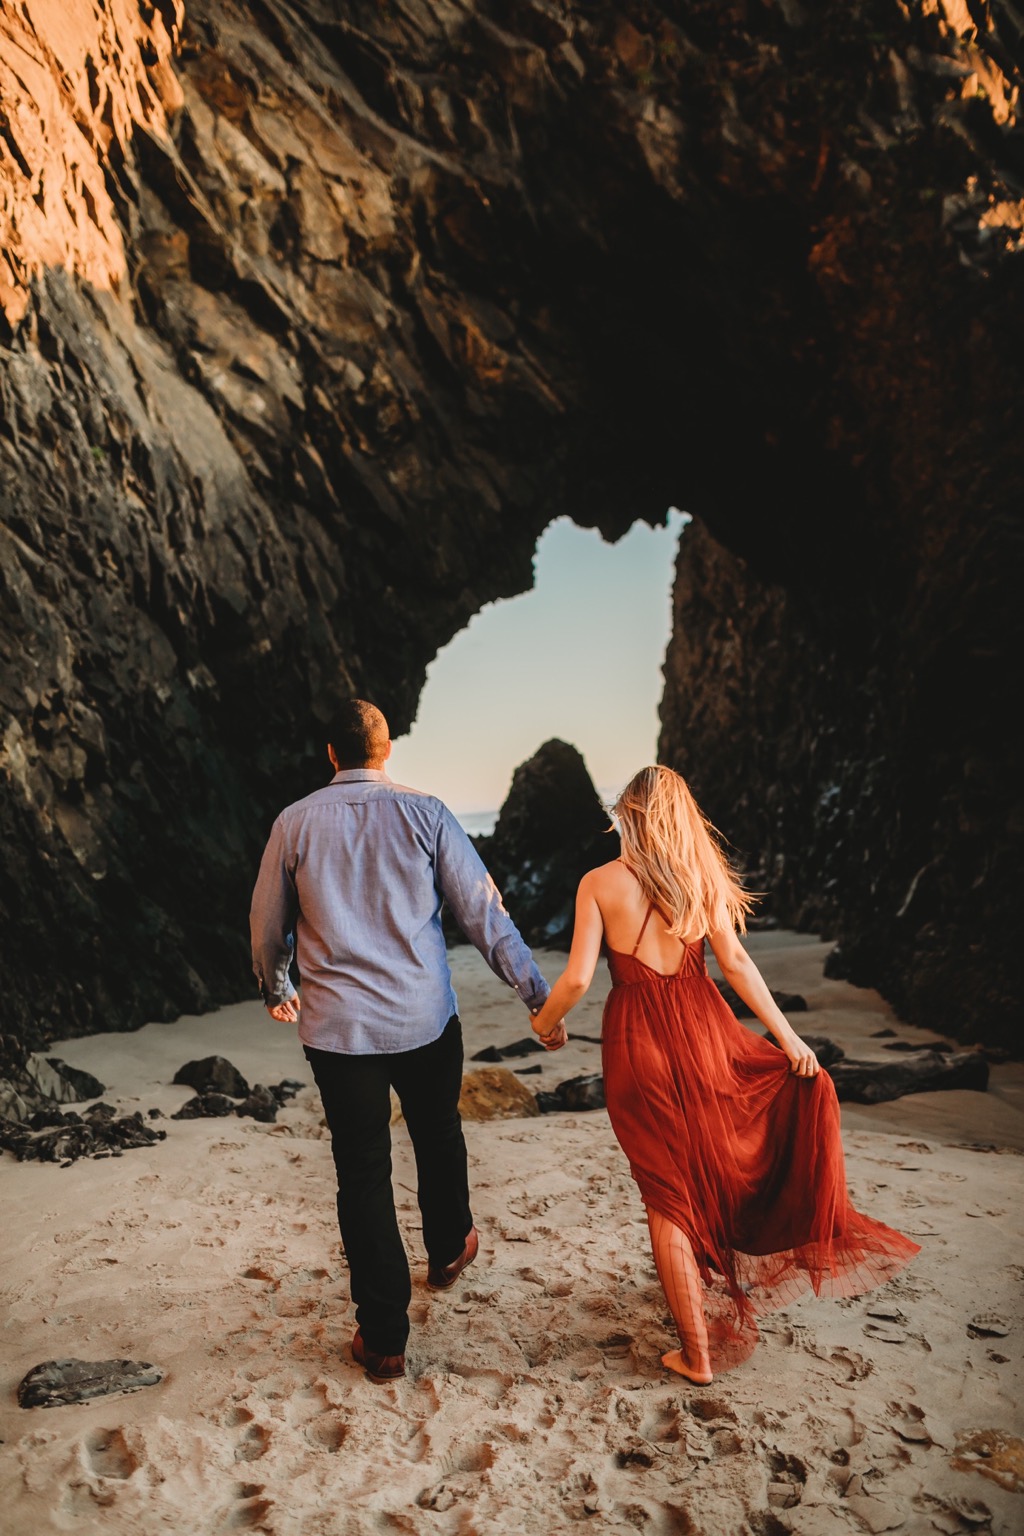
{"points": [[579, 657]]}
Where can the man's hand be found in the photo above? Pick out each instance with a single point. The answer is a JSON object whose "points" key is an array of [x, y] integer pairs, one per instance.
{"points": [[286, 1012], [559, 1036]]}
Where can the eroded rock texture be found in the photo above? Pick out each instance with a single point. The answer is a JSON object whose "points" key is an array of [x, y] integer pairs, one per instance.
{"points": [[315, 317]]}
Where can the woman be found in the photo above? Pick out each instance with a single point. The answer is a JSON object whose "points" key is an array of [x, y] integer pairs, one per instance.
{"points": [[734, 1143]]}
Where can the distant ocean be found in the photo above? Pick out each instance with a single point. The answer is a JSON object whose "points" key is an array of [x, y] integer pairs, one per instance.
{"points": [[482, 823], [477, 823]]}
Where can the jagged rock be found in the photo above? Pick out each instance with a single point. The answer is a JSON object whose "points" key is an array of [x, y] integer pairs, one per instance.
{"points": [[312, 290], [205, 1106], [261, 1104], [97, 1113], [81, 1085], [28, 1082], [574, 1093], [286, 1089], [56, 1136], [789, 1002], [58, 1382], [582, 1092], [942, 1046], [525, 1047], [495, 1093], [861, 1082], [213, 1074], [550, 831], [869, 1082]]}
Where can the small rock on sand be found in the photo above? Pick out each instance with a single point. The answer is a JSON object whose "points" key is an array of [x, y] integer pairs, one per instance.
{"points": [[495, 1093], [57, 1382]]}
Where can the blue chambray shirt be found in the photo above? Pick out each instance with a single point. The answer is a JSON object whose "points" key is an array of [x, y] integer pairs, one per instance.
{"points": [[351, 884]]}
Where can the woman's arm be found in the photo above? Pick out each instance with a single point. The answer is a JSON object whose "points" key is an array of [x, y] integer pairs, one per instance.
{"points": [[746, 980], [579, 971]]}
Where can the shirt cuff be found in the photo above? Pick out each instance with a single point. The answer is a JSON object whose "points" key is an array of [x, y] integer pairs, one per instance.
{"points": [[536, 999], [273, 997]]}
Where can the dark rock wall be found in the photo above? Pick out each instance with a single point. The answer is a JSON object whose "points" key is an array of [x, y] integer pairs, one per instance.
{"points": [[839, 677], [869, 783], [316, 315]]}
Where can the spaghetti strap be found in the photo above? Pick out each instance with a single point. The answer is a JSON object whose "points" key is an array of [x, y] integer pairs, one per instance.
{"points": [[643, 929]]}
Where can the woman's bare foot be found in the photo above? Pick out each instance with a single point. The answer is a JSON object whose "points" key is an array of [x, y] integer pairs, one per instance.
{"points": [[700, 1376]]}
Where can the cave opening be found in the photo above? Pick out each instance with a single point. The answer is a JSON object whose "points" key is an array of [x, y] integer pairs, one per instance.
{"points": [[578, 657]]}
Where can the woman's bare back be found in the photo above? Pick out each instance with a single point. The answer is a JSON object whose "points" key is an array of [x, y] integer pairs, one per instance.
{"points": [[624, 907]]}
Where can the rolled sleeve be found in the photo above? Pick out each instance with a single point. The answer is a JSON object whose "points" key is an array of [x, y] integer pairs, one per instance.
{"points": [[476, 904], [272, 919]]}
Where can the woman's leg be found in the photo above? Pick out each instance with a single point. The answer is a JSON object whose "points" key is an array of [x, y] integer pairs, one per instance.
{"points": [[680, 1280]]}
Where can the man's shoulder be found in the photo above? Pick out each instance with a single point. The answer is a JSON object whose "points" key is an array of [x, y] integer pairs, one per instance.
{"points": [[365, 791]]}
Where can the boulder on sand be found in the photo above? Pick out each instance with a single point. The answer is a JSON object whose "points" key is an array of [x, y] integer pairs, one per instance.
{"points": [[550, 831], [495, 1093], [31, 1082], [213, 1074], [874, 1082]]}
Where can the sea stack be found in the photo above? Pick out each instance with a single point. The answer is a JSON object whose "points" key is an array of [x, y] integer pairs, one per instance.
{"points": [[550, 831]]}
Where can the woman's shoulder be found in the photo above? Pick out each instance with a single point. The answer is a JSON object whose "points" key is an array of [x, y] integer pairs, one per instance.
{"points": [[607, 877]]}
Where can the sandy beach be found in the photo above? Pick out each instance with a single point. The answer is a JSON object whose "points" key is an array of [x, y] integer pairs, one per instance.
{"points": [[535, 1400]]}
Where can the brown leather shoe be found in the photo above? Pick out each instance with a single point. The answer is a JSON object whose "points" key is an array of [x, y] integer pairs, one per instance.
{"points": [[377, 1367], [442, 1276]]}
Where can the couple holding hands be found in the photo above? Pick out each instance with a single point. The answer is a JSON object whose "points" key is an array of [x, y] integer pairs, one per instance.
{"points": [[733, 1142]]}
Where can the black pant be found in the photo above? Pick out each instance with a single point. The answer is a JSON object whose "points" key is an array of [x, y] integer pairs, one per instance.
{"points": [[357, 1104]]}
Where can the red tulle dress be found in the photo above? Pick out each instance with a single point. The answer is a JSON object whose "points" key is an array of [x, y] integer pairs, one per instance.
{"points": [[734, 1149]]}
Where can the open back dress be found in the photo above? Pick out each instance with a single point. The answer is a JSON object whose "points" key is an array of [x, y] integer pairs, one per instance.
{"points": [[737, 1151]]}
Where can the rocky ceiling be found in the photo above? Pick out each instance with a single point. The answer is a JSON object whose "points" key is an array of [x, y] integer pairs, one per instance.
{"points": [[316, 315]]}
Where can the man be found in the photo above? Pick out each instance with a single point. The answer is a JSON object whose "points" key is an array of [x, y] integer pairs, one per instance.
{"points": [[351, 883]]}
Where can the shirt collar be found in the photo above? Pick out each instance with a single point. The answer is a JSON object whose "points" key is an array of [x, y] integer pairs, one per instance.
{"points": [[359, 775]]}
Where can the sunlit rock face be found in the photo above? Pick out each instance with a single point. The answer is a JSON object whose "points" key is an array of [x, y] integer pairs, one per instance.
{"points": [[315, 316]]}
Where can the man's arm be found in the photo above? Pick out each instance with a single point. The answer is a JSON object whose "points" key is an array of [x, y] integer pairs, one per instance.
{"points": [[480, 912], [275, 907]]}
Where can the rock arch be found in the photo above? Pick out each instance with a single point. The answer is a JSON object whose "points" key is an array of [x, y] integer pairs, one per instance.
{"points": [[323, 321]]}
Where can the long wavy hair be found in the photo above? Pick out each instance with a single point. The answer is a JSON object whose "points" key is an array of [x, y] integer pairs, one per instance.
{"points": [[676, 855]]}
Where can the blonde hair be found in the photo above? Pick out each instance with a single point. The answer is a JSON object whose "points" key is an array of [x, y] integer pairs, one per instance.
{"points": [[676, 855]]}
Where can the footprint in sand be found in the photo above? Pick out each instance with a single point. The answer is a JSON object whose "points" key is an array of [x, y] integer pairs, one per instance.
{"points": [[856, 1366], [708, 1409], [236, 1416], [253, 1444], [327, 1433], [956, 1514], [108, 1455], [662, 1427], [886, 1333], [988, 1325], [787, 1476], [907, 1420]]}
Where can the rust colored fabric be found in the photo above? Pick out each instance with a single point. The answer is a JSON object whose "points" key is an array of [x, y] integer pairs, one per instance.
{"points": [[743, 1156]]}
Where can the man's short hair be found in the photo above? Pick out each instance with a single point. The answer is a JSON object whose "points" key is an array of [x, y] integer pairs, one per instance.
{"points": [[359, 734]]}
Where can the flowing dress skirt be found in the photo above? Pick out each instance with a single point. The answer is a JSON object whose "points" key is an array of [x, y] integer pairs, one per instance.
{"points": [[740, 1154]]}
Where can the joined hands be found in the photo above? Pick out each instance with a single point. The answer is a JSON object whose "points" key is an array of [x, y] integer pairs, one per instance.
{"points": [[555, 1038]]}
